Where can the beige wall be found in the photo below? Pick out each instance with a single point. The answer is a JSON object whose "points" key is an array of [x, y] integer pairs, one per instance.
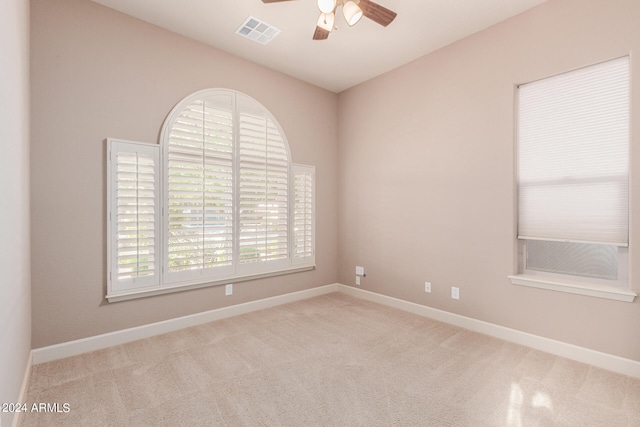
{"points": [[427, 173], [15, 289], [416, 178], [97, 73]]}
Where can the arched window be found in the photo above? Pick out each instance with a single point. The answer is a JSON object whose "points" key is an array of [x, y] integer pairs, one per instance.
{"points": [[233, 205]]}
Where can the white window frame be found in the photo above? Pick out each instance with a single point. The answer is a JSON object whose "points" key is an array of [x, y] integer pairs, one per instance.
{"points": [[164, 283], [617, 289]]}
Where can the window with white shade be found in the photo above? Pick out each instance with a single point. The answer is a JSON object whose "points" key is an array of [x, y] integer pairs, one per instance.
{"points": [[573, 174], [228, 203]]}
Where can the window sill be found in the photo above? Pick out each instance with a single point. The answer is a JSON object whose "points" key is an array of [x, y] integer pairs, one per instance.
{"points": [[165, 289], [573, 287]]}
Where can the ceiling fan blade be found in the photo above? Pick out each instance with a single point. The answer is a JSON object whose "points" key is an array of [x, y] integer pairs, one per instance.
{"points": [[377, 13], [320, 34]]}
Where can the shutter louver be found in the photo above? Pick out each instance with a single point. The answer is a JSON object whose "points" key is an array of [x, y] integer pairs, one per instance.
{"points": [[303, 214], [134, 216], [200, 187], [263, 197], [136, 208]]}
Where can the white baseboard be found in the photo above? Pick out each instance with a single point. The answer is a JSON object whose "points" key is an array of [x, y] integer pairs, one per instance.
{"points": [[592, 357], [24, 389], [84, 345], [602, 360]]}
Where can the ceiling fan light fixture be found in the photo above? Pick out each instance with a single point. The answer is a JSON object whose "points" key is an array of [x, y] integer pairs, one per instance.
{"points": [[326, 6], [352, 12], [326, 20]]}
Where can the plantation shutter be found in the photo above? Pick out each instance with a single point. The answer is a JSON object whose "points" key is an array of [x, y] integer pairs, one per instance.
{"points": [[263, 193], [232, 208], [303, 214], [200, 190], [134, 219], [573, 154]]}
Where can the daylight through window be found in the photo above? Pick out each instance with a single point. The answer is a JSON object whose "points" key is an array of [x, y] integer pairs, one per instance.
{"points": [[232, 205]]}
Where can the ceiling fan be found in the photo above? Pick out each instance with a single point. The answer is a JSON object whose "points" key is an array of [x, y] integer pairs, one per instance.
{"points": [[352, 10]]}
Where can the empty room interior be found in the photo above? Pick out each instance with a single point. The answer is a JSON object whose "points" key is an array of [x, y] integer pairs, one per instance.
{"points": [[361, 225]]}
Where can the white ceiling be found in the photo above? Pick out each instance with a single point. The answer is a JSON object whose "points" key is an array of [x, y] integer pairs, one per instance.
{"points": [[350, 56]]}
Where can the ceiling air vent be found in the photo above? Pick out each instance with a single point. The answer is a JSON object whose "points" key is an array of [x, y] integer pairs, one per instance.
{"points": [[257, 30]]}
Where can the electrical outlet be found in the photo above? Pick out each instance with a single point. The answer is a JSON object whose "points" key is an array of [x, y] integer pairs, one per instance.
{"points": [[427, 287], [358, 280], [455, 292], [359, 271], [228, 289]]}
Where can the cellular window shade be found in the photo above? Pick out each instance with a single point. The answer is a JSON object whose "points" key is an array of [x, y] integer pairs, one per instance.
{"points": [[303, 214], [264, 190], [134, 215], [200, 187], [573, 156]]}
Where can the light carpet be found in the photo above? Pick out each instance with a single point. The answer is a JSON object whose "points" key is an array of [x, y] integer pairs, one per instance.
{"points": [[332, 360]]}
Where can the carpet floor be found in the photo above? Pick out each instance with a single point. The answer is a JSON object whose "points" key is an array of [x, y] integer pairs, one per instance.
{"points": [[332, 360]]}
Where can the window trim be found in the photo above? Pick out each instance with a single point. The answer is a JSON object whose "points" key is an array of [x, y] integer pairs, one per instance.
{"points": [[185, 286], [616, 293], [619, 289], [238, 272]]}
